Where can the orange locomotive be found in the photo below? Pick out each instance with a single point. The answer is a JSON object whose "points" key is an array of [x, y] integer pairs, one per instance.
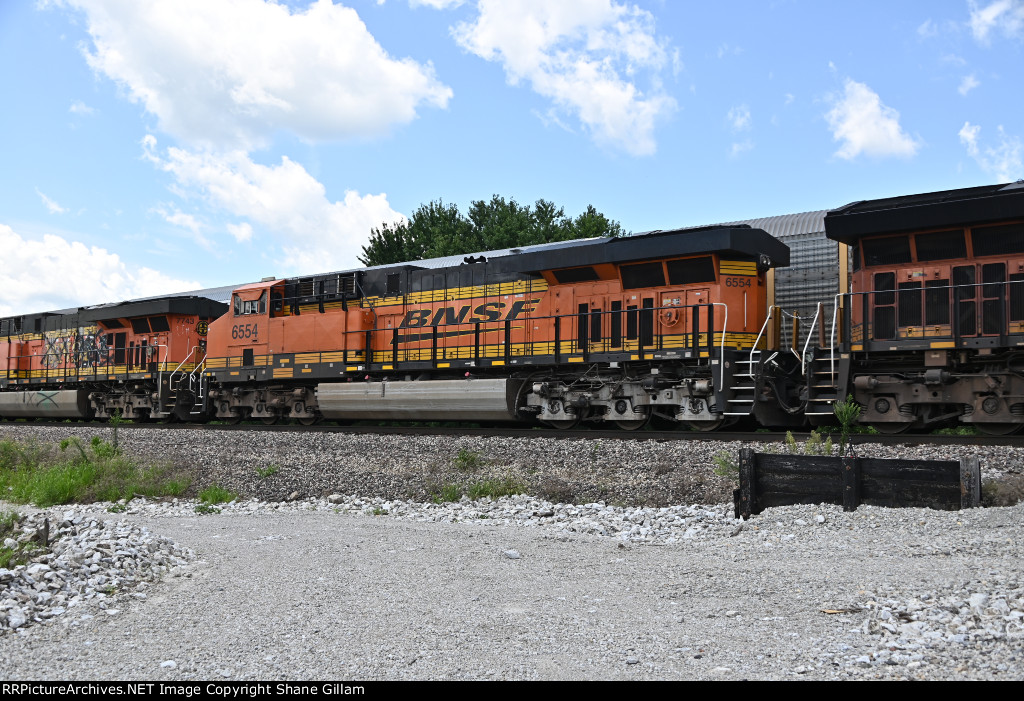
{"points": [[932, 331], [91, 362], [619, 330]]}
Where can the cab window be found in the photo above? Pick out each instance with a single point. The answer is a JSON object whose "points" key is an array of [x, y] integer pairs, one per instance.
{"points": [[256, 306]]}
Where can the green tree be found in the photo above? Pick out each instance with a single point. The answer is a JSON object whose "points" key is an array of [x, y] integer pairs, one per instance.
{"points": [[436, 229], [387, 243]]}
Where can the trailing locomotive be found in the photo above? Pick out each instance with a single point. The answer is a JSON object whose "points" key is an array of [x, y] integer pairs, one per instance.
{"points": [[620, 330], [932, 330], [89, 363]]}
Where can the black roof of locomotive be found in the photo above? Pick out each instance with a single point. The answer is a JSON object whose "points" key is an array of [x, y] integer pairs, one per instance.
{"points": [[739, 239], [67, 318], [949, 208], [523, 263], [198, 306]]}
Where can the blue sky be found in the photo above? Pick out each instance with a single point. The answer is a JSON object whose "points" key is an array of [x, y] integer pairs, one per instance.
{"points": [[157, 145]]}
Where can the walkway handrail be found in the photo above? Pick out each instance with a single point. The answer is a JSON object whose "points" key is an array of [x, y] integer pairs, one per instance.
{"points": [[771, 311], [721, 352], [807, 343], [181, 364]]}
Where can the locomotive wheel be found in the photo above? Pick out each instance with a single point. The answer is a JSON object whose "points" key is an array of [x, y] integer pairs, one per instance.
{"points": [[270, 420], [892, 428], [633, 425], [997, 429], [565, 424], [233, 420], [705, 426], [309, 420]]}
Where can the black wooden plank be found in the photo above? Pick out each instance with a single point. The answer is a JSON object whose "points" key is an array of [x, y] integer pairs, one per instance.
{"points": [[748, 491], [851, 483], [970, 482]]}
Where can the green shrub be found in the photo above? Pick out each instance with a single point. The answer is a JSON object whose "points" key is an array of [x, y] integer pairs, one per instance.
{"points": [[468, 460], [449, 492], [264, 472], [41, 476], [791, 446], [726, 466], [215, 494], [494, 488], [847, 412]]}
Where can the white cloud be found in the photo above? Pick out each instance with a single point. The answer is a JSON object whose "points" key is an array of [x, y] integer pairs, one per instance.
{"points": [[1005, 162], [927, 29], [1004, 16], [79, 107], [584, 55], [739, 118], [52, 206], [741, 147], [285, 198], [178, 218], [55, 273], [967, 84], [242, 232], [863, 124], [231, 72], [436, 4]]}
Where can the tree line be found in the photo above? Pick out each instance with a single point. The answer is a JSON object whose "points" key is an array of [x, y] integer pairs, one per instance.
{"points": [[436, 229]]}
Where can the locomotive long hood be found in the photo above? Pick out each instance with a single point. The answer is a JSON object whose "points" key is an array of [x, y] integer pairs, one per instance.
{"points": [[973, 205]]}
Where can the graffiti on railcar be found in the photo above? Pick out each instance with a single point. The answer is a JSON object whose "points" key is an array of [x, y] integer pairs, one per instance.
{"points": [[84, 347]]}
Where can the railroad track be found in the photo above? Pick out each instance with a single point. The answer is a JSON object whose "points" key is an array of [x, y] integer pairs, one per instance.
{"points": [[573, 434]]}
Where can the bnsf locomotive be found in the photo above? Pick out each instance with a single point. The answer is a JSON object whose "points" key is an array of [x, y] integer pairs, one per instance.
{"points": [[618, 330], [932, 330], [674, 326]]}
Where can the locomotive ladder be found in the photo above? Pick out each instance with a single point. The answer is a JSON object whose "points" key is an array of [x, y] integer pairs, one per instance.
{"points": [[196, 385], [822, 380], [743, 391]]}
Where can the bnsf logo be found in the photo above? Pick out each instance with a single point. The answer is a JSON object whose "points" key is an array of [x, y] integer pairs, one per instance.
{"points": [[491, 311]]}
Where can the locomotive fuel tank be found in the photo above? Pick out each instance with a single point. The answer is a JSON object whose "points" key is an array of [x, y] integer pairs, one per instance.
{"points": [[45, 404], [435, 400]]}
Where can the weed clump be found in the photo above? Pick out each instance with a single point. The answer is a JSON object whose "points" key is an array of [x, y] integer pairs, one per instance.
{"points": [[847, 412], [265, 472], [491, 488], [468, 461], [215, 494], [726, 467], [75, 473]]}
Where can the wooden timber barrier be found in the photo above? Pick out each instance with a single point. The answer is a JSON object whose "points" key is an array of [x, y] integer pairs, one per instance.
{"points": [[769, 479]]}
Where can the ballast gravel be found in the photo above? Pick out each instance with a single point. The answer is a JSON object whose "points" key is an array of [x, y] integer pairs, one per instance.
{"points": [[374, 584]]}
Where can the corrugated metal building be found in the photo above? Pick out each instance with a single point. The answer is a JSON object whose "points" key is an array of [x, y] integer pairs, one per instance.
{"points": [[818, 267]]}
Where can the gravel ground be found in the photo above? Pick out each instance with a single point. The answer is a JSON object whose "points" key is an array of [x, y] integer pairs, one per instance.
{"points": [[385, 586]]}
